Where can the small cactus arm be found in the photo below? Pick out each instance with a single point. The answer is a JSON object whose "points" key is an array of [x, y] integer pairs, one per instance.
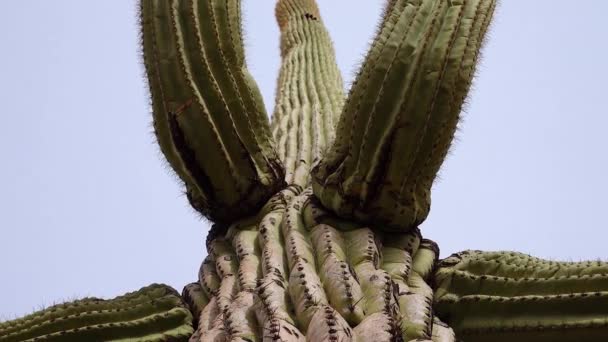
{"points": [[316, 214], [154, 313], [506, 296]]}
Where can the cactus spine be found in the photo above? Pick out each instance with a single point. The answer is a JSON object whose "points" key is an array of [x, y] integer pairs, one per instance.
{"points": [[316, 214]]}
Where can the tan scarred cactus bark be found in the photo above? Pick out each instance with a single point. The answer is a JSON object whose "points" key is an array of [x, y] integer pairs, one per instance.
{"points": [[297, 272], [316, 213]]}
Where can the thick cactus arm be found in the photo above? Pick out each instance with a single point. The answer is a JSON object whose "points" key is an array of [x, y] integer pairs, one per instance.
{"points": [[309, 94], [402, 111], [154, 313], [505, 296], [208, 113]]}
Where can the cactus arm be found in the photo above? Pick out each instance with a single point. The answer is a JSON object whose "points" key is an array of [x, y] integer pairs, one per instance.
{"points": [[208, 114], [154, 313], [309, 94], [504, 296], [402, 111], [241, 321]]}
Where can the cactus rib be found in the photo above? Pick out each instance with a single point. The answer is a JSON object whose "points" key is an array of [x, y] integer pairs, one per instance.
{"points": [[402, 111], [196, 299]]}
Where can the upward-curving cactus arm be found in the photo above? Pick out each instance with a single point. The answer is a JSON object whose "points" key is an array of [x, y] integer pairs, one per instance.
{"points": [[402, 111], [208, 113], [309, 95]]}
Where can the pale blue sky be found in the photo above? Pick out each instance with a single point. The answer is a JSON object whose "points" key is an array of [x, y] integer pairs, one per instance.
{"points": [[87, 206]]}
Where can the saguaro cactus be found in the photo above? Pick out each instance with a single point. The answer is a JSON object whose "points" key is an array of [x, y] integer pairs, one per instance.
{"points": [[316, 213]]}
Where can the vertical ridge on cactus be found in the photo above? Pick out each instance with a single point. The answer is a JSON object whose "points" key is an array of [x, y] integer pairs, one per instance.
{"points": [[316, 215]]}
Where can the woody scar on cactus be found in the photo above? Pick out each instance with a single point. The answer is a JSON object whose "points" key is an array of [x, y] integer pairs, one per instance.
{"points": [[316, 211]]}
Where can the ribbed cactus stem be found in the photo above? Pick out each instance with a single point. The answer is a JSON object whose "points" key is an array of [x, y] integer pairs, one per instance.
{"points": [[504, 296], [297, 272], [154, 313], [402, 112], [208, 113], [309, 94]]}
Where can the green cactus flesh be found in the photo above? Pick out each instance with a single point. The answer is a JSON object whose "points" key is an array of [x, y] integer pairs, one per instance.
{"points": [[506, 296], [209, 116], [402, 111], [154, 313], [316, 213]]}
